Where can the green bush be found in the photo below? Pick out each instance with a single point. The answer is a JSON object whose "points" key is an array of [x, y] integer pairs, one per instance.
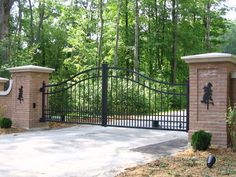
{"points": [[201, 140], [231, 121], [5, 123]]}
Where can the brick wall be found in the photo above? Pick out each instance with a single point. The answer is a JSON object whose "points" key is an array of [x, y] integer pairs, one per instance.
{"points": [[217, 71], [25, 113]]}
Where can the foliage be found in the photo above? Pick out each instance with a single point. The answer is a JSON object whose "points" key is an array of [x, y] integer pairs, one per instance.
{"points": [[65, 35], [5, 123], [231, 121], [201, 140], [229, 44]]}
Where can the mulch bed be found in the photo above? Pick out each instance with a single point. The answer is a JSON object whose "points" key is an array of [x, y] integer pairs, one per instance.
{"points": [[4, 131], [187, 164], [52, 125]]}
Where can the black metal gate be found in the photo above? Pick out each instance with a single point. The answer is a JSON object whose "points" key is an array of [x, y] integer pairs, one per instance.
{"points": [[113, 96]]}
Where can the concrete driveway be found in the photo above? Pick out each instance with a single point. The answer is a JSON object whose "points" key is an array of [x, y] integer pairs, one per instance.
{"points": [[83, 151]]}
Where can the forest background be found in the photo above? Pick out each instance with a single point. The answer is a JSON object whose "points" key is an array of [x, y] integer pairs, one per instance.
{"points": [[147, 36]]}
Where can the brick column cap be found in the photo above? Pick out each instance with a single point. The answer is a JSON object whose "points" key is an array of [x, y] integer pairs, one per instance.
{"points": [[31, 68], [3, 80], [210, 58]]}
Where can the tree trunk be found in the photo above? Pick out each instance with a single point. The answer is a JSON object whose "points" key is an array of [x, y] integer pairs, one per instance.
{"points": [[207, 23], [41, 18], [5, 7], [16, 43], [174, 40], [158, 49], [163, 32], [31, 23], [20, 18], [150, 53], [127, 34], [101, 33], [117, 34], [90, 18], [136, 44]]}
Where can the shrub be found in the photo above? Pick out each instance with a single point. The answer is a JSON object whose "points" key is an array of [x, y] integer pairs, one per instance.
{"points": [[5, 123], [231, 121], [201, 140]]}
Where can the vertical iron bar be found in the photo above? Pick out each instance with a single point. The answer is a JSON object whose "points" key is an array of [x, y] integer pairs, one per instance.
{"points": [[42, 89], [88, 102], [143, 119], [93, 111], [181, 123], [79, 116], [49, 111], [168, 107], [138, 110], [132, 101], [127, 99], [111, 118], [163, 120], [187, 109], [117, 88], [123, 108], [104, 94], [97, 99], [149, 109], [156, 113]]}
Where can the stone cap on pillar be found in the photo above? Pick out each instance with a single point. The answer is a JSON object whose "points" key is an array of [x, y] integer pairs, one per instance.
{"points": [[3, 80], [31, 68], [209, 58]]}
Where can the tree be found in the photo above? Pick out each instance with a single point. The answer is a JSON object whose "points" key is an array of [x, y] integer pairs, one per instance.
{"points": [[146, 36], [5, 7], [136, 36], [229, 45], [174, 40], [117, 33], [100, 43], [207, 23]]}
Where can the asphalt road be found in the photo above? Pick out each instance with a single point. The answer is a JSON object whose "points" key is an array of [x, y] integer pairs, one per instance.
{"points": [[84, 151]]}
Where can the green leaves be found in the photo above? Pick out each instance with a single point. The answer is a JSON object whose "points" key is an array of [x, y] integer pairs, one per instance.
{"points": [[65, 34]]}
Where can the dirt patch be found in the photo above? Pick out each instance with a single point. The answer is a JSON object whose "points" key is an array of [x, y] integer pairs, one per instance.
{"points": [[187, 164]]}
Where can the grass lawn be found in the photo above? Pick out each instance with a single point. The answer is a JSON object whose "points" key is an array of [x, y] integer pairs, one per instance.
{"points": [[187, 164]]}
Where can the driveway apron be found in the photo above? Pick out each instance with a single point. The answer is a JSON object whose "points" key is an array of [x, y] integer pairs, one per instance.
{"points": [[84, 151]]}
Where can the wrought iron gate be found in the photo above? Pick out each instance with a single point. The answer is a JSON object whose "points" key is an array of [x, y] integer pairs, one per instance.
{"points": [[113, 96]]}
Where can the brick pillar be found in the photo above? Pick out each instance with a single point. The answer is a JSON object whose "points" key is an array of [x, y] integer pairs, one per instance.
{"points": [[210, 72], [2, 83], [26, 95]]}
